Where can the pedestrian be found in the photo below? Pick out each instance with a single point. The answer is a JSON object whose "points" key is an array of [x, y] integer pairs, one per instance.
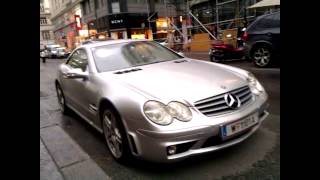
{"points": [[44, 55]]}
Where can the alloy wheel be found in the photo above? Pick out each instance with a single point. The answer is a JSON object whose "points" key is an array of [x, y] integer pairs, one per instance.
{"points": [[112, 134], [262, 56]]}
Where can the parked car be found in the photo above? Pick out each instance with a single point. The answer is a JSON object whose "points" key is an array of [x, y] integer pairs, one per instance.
{"points": [[62, 52], [53, 50], [262, 39], [152, 103], [44, 53]]}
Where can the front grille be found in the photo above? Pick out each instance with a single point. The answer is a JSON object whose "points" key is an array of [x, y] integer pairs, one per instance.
{"points": [[216, 105]]}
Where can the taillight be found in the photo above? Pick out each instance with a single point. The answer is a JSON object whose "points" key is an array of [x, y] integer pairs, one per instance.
{"points": [[244, 36]]}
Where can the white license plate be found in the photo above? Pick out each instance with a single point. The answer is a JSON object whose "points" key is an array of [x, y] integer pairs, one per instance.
{"points": [[238, 126]]}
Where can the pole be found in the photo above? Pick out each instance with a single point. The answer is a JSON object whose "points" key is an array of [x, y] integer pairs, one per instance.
{"points": [[217, 18], [203, 26], [148, 8], [165, 6]]}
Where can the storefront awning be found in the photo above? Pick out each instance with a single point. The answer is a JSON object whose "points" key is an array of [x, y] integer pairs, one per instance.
{"points": [[265, 3]]}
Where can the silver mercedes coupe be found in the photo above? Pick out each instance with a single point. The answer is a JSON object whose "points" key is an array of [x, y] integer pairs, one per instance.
{"points": [[152, 103]]}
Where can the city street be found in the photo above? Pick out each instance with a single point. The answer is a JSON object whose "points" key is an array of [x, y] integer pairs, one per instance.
{"points": [[256, 158]]}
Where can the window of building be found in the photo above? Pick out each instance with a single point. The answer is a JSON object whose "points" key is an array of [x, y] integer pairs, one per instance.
{"points": [[41, 8], [43, 21], [140, 1], [115, 7], [46, 35], [89, 6], [159, 1], [96, 3], [83, 6]]}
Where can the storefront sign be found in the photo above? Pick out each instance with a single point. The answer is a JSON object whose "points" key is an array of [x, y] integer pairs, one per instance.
{"points": [[78, 22], [118, 21]]}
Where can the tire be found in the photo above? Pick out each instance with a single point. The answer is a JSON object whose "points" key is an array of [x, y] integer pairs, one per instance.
{"points": [[213, 59], [115, 136], [61, 100], [262, 56]]}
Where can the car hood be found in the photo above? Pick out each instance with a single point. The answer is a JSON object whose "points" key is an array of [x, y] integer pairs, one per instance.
{"points": [[181, 80]]}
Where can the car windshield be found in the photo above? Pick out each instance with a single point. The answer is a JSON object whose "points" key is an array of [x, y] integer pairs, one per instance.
{"points": [[126, 55]]}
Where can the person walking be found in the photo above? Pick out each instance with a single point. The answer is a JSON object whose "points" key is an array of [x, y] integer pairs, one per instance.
{"points": [[44, 55]]}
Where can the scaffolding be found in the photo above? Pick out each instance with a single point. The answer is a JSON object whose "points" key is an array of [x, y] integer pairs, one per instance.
{"points": [[183, 8]]}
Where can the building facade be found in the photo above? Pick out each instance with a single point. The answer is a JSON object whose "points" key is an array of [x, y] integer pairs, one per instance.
{"points": [[66, 18], [124, 19], [46, 33]]}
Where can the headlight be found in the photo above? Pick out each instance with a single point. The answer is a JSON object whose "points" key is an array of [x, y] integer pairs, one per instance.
{"points": [[157, 113], [162, 114], [254, 84], [179, 111]]}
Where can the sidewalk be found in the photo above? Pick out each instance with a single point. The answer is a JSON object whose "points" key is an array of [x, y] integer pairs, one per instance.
{"points": [[61, 158]]}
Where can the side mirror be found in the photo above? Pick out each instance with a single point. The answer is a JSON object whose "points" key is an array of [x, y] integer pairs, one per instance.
{"points": [[181, 54], [76, 74]]}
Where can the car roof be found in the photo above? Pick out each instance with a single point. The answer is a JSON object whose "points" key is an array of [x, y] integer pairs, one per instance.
{"points": [[109, 42], [269, 14]]}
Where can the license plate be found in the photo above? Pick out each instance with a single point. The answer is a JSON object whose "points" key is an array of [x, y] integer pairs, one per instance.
{"points": [[238, 126]]}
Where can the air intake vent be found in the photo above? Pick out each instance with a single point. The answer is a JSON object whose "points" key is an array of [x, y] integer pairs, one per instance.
{"points": [[180, 61], [128, 71]]}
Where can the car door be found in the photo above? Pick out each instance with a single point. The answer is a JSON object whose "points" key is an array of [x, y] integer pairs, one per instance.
{"points": [[73, 87], [82, 92]]}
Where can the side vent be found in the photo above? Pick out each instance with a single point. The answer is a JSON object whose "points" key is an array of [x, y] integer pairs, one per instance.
{"points": [[128, 71], [134, 148]]}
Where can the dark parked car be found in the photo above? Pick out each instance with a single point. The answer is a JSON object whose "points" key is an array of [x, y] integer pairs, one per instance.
{"points": [[262, 39]]}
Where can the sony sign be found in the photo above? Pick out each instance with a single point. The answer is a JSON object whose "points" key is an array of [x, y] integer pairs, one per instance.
{"points": [[118, 21]]}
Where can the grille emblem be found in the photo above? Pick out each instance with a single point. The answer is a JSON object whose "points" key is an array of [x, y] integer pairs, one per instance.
{"points": [[232, 101]]}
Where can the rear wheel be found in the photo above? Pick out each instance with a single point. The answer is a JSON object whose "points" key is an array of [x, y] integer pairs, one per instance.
{"points": [[115, 135], [261, 56]]}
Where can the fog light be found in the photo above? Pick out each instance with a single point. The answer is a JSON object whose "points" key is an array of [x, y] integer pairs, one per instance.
{"points": [[172, 150]]}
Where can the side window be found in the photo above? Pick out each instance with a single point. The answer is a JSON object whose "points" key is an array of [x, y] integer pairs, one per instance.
{"points": [[79, 59], [265, 23]]}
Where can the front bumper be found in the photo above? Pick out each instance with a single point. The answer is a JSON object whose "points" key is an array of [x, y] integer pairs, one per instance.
{"points": [[152, 145]]}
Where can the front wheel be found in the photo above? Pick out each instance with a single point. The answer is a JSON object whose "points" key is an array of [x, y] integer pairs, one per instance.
{"points": [[261, 56], [61, 100], [115, 135]]}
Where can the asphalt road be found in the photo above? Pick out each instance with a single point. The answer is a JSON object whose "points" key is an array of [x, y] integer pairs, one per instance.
{"points": [[256, 158]]}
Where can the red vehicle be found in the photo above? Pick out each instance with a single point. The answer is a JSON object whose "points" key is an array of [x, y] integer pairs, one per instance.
{"points": [[221, 51]]}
